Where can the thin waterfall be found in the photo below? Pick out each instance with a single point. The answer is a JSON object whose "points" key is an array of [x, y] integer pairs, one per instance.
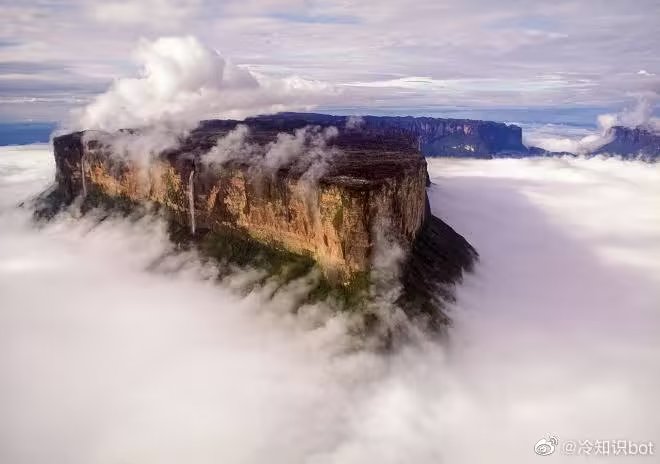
{"points": [[82, 175], [191, 201]]}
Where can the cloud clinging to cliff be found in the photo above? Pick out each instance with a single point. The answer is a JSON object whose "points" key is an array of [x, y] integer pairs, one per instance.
{"points": [[307, 150]]}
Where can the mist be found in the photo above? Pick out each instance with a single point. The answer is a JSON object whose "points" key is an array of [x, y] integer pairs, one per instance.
{"points": [[307, 148], [117, 348]]}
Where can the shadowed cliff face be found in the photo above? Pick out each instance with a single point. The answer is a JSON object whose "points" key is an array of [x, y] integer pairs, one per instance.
{"points": [[432, 136], [637, 141], [349, 203], [641, 142], [460, 137]]}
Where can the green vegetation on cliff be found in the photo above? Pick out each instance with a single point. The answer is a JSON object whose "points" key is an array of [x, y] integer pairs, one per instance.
{"points": [[231, 247]]}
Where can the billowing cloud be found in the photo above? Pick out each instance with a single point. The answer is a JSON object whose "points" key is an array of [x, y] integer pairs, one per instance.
{"points": [[182, 82], [640, 115]]}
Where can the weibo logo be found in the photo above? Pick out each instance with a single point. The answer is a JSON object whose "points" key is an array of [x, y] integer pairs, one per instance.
{"points": [[546, 446]]}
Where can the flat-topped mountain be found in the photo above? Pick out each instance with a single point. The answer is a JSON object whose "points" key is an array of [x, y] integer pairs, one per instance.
{"points": [[432, 136], [639, 141], [346, 196], [460, 137]]}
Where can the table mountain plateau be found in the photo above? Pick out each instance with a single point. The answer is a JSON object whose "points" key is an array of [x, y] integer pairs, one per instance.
{"points": [[350, 197]]}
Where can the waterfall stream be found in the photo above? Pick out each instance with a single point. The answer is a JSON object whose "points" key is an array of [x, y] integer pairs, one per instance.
{"points": [[191, 201], [82, 174]]}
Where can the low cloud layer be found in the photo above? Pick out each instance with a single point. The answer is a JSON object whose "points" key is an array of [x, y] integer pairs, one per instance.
{"points": [[115, 349]]}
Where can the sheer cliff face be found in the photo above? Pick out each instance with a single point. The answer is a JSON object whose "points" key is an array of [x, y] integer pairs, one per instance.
{"points": [[368, 200], [432, 136], [455, 137], [331, 219]]}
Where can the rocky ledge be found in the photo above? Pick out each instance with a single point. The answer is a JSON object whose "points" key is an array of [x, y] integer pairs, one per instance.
{"points": [[339, 205]]}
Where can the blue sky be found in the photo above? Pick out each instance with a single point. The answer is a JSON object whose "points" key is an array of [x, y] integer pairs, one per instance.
{"points": [[383, 56]]}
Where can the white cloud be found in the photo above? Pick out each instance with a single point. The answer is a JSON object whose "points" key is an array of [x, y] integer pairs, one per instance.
{"points": [[182, 82], [354, 122], [450, 88], [640, 115], [105, 361], [306, 150]]}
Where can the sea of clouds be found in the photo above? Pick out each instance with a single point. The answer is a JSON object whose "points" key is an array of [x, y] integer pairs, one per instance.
{"points": [[115, 348]]}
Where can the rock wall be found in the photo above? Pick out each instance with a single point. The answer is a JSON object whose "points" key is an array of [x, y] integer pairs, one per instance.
{"points": [[331, 220], [432, 136]]}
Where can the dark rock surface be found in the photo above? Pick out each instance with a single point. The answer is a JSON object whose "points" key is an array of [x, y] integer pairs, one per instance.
{"points": [[629, 142], [538, 151], [450, 137], [431, 136], [437, 260], [634, 143]]}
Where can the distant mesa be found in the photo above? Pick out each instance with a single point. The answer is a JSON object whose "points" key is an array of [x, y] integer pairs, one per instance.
{"points": [[467, 138], [431, 136], [639, 141]]}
